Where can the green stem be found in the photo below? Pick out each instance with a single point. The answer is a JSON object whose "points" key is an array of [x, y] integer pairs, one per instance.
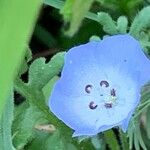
{"points": [[58, 4]]}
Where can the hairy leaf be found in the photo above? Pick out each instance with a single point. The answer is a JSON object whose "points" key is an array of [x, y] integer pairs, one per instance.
{"points": [[135, 136], [40, 73], [140, 23], [148, 122], [48, 88], [122, 24], [50, 141], [6, 123], [108, 24], [24, 124]]}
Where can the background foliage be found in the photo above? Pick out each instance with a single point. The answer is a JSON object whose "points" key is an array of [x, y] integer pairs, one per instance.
{"points": [[26, 80]]}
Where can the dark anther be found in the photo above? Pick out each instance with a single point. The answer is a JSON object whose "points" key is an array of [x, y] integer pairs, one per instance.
{"points": [[101, 94], [92, 105], [88, 88], [125, 60], [103, 82], [108, 105], [113, 92]]}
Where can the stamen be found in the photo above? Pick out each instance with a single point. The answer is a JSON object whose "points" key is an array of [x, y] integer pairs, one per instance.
{"points": [[108, 105], [113, 92], [88, 88], [103, 82], [92, 106]]}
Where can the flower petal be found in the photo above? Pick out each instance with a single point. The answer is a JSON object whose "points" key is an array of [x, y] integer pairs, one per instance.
{"points": [[125, 123], [125, 53], [74, 111], [80, 69]]}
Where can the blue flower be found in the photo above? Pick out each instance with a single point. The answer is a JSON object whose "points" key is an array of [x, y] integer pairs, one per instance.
{"points": [[100, 85]]}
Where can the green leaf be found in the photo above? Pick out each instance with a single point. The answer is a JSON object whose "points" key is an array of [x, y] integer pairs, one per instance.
{"points": [[108, 24], [95, 38], [47, 141], [16, 24], [130, 132], [40, 73], [75, 17], [24, 124], [141, 142], [6, 123], [122, 24], [136, 143], [48, 88], [148, 122], [145, 138], [135, 135], [145, 101], [98, 143], [36, 98], [111, 140], [54, 142], [140, 23], [124, 140]]}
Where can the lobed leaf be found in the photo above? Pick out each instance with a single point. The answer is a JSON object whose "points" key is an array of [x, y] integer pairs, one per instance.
{"points": [[50, 141], [47, 89], [24, 124], [107, 22], [40, 72]]}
